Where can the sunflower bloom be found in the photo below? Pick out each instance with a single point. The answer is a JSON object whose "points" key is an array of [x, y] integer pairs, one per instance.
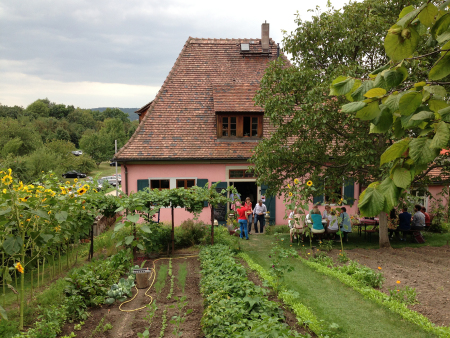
{"points": [[290, 194], [289, 187], [75, 180], [19, 267], [296, 181], [5, 191], [7, 180], [81, 191], [309, 183]]}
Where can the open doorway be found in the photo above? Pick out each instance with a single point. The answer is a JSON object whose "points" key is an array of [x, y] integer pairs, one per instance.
{"points": [[247, 189]]}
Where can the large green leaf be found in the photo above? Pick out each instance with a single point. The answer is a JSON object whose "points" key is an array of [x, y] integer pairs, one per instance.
{"points": [[395, 151], [5, 211], [371, 201], [341, 87], [402, 177], [12, 245], [129, 239], [119, 226], [443, 37], [353, 107], [133, 218], [390, 192], [146, 229], [375, 92], [441, 25], [356, 85], [393, 78], [409, 102], [423, 115], [382, 123], [437, 105], [61, 216], [401, 43], [3, 313], [405, 19], [358, 94], [398, 129], [46, 237], [440, 139], [392, 101], [436, 90], [39, 213], [369, 112], [420, 151], [428, 14], [441, 68]]}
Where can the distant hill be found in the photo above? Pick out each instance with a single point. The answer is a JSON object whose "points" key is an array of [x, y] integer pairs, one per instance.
{"points": [[130, 111]]}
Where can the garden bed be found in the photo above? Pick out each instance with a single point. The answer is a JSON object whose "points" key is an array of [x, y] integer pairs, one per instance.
{"points": [[128, 324], [427, 269]]}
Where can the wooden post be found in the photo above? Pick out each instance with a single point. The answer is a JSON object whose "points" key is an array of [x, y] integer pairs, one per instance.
{"points": [[91, 250], [212, 225], [383, 231], [173, 233]]}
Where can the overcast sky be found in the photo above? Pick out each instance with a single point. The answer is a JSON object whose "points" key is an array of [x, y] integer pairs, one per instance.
{"points": [[111, 53]]}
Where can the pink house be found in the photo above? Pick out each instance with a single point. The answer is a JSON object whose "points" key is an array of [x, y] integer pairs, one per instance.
{"points": [[202, 125]]}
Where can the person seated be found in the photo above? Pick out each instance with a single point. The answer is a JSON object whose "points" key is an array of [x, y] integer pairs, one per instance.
{"points": [[332, 224], [427, 217], [295, 225], [326, 212], [404, 223], [316, 218], [418, 221]]}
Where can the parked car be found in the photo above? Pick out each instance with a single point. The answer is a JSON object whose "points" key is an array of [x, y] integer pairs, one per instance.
{"points": [[77, 152], [113, 163], [112, 179], [73, 174]]}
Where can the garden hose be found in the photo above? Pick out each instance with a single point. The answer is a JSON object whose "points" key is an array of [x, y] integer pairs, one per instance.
{"points": [[153, 277]]}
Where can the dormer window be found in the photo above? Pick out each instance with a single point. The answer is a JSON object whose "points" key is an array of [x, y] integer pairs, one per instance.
{"points": [[239, 126]]}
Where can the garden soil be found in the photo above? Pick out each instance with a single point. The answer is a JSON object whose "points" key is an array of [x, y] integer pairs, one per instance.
{"points": [[128, 324], [427, 269]]}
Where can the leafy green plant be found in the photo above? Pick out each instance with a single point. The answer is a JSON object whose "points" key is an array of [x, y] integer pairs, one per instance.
{"points": [[405, 294], [76, 308], [363, 274], [77, 327], [342, 257], [163, 323], [322, 258], [234, 306], [180, 317], [101, 328], [182, 273], [326, 245], [161, 278], [71, 335], [172, 276], [120, 291], [151, 311], [280, 266]]}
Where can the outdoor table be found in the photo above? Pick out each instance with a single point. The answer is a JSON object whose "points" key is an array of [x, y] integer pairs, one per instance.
{"points": [[364, 223]]}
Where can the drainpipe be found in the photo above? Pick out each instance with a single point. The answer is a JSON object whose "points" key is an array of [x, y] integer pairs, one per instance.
{"points": [[126, 178]]}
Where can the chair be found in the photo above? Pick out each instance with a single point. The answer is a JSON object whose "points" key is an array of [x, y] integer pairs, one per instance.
{"points": [[371, 231]]}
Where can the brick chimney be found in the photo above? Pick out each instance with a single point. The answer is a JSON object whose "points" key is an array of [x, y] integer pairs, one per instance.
{"points": [[265, 37]]}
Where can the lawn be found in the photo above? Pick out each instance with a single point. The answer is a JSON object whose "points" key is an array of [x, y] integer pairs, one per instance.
{"points": [[333, 302]]}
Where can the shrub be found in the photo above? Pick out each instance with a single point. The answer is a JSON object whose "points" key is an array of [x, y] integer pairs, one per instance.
{"points": [[276, 229], [363, 274]]}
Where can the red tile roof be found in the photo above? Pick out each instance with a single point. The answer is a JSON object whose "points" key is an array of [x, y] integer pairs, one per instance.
{"points": [[210, 75]]}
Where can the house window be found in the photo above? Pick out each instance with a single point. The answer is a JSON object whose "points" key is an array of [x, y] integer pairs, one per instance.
{"points": [[229, 126], [160, 184], [185, 183], [241, 173]]}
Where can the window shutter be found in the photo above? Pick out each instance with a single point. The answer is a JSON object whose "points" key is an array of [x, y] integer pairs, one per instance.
{"points": [[142, 184], [349, 191], [318, 199], [201, 182]]}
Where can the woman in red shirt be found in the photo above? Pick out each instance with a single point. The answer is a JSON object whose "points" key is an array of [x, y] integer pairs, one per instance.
{"points": [[248, 205], [242, 219]]}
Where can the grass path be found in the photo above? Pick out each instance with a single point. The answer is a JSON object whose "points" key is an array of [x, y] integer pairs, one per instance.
{"points": [[333, 302]]}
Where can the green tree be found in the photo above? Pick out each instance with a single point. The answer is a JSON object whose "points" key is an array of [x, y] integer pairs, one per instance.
{"points": [[22, 130], [96, 146], [12, 112], [39, 108], [114, 129], [413, 112], [312, 139]]}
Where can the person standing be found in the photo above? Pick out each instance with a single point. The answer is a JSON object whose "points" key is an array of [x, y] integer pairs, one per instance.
{"points": [[242, 219], [427, 217], [418, 222], [260, 211], [248, 205], [346, 225]]}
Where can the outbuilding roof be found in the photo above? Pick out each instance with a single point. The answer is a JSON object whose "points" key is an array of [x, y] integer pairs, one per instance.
{"points": [[208, 77]]}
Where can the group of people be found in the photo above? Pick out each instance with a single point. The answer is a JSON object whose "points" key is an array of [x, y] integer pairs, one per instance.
{"points": [[321, 223], [249, 215], [406, 221]]}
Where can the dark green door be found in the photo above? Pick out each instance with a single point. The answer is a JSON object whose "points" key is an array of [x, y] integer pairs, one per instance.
{"points": [[270, 203]]}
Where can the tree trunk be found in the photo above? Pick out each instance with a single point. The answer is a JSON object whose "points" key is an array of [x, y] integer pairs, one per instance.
{"points": [[212, 225], [173, 234], [384, 235]]}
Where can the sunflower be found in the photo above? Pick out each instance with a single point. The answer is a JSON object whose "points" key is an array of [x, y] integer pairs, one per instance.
{"points": [[296, 181], [95, 190], [19, 266], [49, 212], [81, 191], [289, 187], [86, 187], [24, 199], [63, 190], [67, 182], [9, 171], [5, 191], [290, 194], [309, 183], [7, 180], [84, 207], [75, 180]]}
